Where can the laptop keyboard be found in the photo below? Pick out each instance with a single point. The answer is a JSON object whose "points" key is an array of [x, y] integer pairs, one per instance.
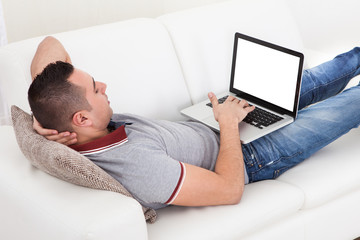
{"points": [[259, 118]]}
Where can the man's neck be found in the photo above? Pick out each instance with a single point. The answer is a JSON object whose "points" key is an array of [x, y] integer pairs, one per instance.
{"points": [[83, 138]]}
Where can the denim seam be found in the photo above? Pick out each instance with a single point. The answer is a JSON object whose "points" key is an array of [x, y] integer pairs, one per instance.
{"points": [[277, 171], [254, 156]]}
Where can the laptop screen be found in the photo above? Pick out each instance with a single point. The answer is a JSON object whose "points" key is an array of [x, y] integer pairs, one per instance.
{"points": [[266, 72]]}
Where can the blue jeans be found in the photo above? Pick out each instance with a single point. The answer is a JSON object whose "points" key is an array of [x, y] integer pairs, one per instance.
{"points": [[333, 115]]}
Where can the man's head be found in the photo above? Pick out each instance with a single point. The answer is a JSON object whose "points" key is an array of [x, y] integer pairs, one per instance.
{"points": [[65, 99]]}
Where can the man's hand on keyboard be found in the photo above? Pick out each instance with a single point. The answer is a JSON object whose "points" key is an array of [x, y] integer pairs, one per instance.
{"points": [[231, 111]]}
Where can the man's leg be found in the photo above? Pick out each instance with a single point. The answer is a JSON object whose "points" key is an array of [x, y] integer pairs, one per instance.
{"points": [[329, 78], [316, 126]]}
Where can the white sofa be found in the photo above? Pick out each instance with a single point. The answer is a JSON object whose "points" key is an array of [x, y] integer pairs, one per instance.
{"points": [[155, 67]]}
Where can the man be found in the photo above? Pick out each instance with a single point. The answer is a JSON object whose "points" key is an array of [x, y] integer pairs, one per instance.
{"points": [[186, 163]]}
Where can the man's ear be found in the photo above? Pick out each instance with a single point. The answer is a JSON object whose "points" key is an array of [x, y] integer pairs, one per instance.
{"points": [[81, 119]]}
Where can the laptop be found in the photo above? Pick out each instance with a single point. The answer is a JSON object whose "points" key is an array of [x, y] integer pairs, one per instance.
{"points": [[267, 76]]}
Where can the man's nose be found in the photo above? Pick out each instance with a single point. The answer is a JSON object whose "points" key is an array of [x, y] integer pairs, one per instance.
{"points": [[102, 87]]}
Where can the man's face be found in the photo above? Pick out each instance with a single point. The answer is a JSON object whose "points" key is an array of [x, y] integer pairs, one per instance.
{"points": [[95, 94]]}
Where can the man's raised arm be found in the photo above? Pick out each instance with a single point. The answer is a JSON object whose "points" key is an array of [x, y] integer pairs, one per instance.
{"points": [[49, 50]]}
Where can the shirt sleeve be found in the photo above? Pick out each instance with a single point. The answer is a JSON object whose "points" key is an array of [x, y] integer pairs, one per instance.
{"points": [[153, 176], [179, 184]]}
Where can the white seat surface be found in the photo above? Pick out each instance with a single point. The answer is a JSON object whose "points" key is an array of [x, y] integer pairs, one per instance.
{"points": [[256, 209], [330, 173]]}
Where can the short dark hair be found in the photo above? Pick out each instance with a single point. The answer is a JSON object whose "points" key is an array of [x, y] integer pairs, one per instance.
{"points": [[53, 99]]}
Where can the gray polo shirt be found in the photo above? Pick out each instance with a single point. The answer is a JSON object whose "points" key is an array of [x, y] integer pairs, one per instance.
{"points": [[147, 156]]}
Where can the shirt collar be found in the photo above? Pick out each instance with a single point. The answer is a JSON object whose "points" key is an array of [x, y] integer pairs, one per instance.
{"points": [[111, 140]]}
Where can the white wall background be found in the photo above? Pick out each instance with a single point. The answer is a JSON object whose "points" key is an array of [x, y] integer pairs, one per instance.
{"points": [[318, 19], [30, 18], [3, 41], [3, 38]]}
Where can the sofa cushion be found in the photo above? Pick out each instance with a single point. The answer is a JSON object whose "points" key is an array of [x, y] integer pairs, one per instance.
{"points": [[330, 173], [263, 203], [62, 162]]}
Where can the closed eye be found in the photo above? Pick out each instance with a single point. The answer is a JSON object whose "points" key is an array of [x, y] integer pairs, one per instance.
{"points": [[95, 90]]}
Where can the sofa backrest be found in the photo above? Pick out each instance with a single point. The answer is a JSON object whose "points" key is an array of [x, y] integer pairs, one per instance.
{"points": [[203, 38], [135, 58]]}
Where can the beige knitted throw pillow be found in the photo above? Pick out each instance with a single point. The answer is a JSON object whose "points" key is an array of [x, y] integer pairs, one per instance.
{"points": [[63, 162]]}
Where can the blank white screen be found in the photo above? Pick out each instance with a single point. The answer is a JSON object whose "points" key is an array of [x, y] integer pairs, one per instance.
{"points": [[266, 73]]}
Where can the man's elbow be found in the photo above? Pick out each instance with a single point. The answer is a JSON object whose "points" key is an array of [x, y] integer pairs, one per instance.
{"points": [[235, 195]]}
